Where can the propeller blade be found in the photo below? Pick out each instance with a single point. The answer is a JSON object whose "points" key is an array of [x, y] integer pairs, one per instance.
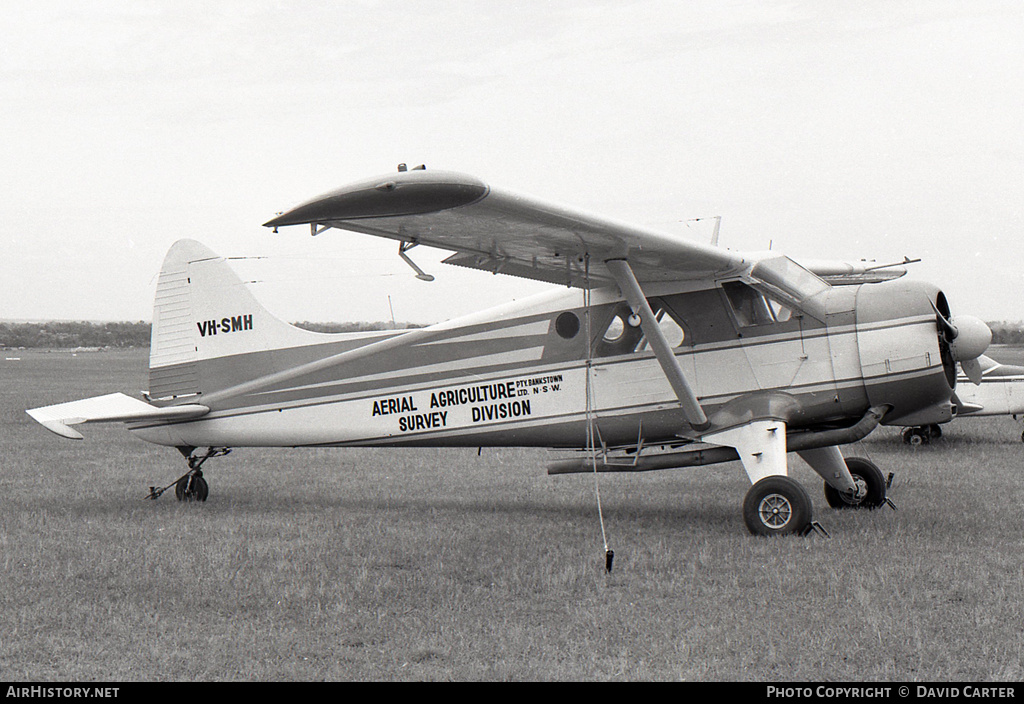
{"points": [[949, 330], [972, 368]]}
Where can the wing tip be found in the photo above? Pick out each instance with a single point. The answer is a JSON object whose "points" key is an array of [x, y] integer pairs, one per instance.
{"points": [[57, 426], [415, 192], [112, 408]]}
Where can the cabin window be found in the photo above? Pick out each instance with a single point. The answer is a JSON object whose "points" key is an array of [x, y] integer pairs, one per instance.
{"points": [[615, 330], [623, 333], [567, 325], [669, 328]]}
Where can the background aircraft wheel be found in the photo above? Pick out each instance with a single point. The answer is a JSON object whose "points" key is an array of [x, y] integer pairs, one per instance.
{"points": [[777, 506], [864, 472], [192, 487], [917, 436]]}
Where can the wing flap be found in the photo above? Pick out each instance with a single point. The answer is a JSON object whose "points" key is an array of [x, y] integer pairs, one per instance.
{"points": [[111, 408]]}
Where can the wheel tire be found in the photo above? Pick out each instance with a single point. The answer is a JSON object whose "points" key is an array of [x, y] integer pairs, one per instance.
{"points": [[916, 436], [192, 488], [777, 505], [864, 471]]}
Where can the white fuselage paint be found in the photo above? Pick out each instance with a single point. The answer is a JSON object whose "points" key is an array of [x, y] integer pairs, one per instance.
{"points": [[514, 396]]}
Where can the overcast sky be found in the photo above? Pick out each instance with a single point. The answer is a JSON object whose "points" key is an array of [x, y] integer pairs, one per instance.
{"points": [[828, 129]]}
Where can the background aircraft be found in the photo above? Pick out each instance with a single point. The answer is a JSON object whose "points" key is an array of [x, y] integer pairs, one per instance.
{"points": [[655, 352], [999, 392]]}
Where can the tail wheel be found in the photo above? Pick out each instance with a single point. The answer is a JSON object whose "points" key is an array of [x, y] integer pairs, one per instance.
{"points": [[868, 477], [777, 506], [192, 487]]}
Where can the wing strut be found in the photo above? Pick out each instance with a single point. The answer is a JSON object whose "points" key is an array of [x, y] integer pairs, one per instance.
{"points": [[627, 282]]}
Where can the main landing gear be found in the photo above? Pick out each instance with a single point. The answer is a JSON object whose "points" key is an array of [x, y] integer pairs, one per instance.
{"points": [[871, 487], [191, 486], [778, 505], [921, 435]]}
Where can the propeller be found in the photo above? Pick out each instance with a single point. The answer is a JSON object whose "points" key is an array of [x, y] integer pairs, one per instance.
{"points": [[967, 337]]}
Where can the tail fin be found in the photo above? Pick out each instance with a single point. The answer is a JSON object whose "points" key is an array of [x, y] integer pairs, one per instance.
{"points": [[204, 313]]}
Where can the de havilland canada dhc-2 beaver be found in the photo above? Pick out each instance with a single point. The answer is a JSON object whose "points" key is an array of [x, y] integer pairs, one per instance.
{"points": [[654, 352]]}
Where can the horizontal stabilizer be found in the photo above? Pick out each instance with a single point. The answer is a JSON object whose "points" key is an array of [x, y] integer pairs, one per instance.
{"points": [[111, 408]]}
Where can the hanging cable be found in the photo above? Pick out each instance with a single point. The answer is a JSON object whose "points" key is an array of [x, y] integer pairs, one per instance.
{"points": [[609, 555]]}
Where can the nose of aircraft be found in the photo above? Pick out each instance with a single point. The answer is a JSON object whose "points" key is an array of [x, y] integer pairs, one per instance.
{"points": [[969, 337]]}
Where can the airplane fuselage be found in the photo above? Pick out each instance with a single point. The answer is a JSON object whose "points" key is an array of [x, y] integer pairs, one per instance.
{"points": [[517, 375]]}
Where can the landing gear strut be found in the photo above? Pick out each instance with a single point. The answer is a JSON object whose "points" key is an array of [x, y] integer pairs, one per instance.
{"points": [[191, 486]]}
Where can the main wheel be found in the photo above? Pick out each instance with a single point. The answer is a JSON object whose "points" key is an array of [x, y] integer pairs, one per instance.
{"points": [[917, 436], [867, 476], [192, 487], [777, 505]]}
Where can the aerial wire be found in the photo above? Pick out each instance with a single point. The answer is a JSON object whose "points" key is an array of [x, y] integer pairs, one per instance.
{"points": [[609, 555]]}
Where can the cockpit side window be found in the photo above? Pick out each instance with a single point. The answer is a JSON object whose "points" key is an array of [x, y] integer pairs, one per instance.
{"points": [[781, 312], [749, 305]]}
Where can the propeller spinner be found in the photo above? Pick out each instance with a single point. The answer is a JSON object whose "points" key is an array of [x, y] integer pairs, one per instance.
{"points": [[967, 338]]}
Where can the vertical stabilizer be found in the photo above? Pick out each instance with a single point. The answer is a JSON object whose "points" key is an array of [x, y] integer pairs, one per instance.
{"points": [[204, 313]]}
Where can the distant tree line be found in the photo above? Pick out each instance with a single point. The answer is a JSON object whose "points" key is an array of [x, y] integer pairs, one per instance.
{"points": [[72, 334], [1004, 333]]}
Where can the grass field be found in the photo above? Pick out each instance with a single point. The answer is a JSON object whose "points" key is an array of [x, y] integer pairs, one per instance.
{"points": [[444, 565]]}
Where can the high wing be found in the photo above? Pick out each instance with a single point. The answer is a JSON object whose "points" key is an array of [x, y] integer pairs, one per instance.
{"points": [[508, 233], [503, 232]]}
